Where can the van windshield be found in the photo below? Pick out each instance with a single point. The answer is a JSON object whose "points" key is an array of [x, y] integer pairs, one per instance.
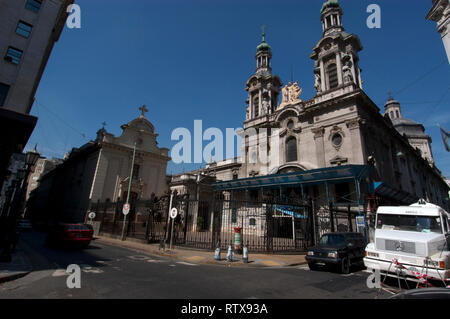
{"points": [[423, 224]]}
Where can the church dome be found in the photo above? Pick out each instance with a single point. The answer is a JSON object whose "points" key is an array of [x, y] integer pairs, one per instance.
{"points": [[264, 46], [329, 4]]}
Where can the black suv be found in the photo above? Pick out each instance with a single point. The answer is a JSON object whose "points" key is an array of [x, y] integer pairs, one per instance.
{"points": [[341, 250]]}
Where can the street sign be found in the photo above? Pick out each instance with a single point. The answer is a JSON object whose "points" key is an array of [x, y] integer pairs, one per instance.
{"points": [[126, 209], [360, 221], [174, 212], [91, 215]]}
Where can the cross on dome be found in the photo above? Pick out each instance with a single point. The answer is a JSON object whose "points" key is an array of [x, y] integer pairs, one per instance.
{"points": [[143, 110]]}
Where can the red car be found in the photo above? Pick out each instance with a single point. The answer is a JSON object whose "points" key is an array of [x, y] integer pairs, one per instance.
{"points": [[70, 234]]}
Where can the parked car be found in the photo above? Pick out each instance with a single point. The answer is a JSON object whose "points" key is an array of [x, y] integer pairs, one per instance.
{"points": [[339, 250], [24, 225], [423, 293], [79, 235]]}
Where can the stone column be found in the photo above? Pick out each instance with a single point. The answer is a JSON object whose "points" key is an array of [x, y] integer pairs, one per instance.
{"points": [[271, 106], [358, 148], [320, 149], [354, 66], [250, 105], [260, 101], [322, 76], [339, 68]]}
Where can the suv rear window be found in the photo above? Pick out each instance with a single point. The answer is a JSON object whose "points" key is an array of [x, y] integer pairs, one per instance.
{"points": [[77, 227]]}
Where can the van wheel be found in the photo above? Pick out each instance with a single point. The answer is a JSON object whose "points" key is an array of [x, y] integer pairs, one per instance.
{"points": [[345, 266]]}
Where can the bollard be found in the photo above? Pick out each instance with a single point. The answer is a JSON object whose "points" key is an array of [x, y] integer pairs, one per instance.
{"points": [[217, 253], [245, 254], [162, 245], [237, 240], [230, 254]]}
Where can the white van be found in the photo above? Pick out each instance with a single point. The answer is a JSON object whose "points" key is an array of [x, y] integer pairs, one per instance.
{"points": [[411, 241]]}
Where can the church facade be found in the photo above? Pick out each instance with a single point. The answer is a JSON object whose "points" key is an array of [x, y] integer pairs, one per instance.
{"points": [[338, 147], [100, 170]]}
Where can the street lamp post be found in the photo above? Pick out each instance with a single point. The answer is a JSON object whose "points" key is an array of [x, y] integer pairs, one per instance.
{"points": [[129, 191], [14, 208]]}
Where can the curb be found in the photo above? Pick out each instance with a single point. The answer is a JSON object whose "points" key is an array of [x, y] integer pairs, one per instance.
{"points": [[12, 277]]}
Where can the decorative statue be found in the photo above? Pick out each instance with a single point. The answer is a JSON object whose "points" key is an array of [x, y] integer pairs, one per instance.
{"points": [[265, 106], [348, 77], [285, 91], [294, 92], [347, 69], [317, 82]]}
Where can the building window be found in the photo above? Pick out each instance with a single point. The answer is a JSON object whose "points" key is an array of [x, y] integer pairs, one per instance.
{"points": [[24, 29], [252, 221], [256, 105], [333, 76], [337, 140], [290, 125], [136, 171], [291, 150], [13, 55], [33, 5], [397, 114], [4, 89]]}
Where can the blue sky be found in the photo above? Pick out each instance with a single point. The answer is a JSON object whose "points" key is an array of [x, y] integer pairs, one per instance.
{"points": [[190, 60]]}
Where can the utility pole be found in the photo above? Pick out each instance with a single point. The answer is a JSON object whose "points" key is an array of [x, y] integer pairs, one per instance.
{"points": [[129, 191]]}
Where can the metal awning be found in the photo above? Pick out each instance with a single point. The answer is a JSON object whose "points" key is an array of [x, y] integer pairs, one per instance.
{"points": [[385, 190], [330, 175]]}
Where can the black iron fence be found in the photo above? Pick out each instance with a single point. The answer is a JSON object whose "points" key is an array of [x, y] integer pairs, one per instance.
{"points": [[272, 227]]}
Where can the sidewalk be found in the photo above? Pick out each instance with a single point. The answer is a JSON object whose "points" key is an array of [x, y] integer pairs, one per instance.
{"points": [[19, 267], [207, 257]]}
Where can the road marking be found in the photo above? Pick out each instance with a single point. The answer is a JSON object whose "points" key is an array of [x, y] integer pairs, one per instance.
{"points": [[138, 257], [172, 265], [187, 264], [89, 269], [60, 273], [155, 261]]}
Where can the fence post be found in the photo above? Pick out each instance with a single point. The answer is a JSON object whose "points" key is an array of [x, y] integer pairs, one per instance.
{"points": [[149, 222], [186, 214]]}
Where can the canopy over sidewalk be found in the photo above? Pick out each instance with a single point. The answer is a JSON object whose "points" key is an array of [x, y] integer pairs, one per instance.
{"points": [[330, 175]]}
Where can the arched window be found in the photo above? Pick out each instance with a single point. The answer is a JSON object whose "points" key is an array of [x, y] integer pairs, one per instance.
{"points": [[291, 149], [332, 76]]}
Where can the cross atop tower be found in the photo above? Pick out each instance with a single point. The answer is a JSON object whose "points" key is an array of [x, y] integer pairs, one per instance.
{"points": [[104, 124], [263, 33], [143, 110]]}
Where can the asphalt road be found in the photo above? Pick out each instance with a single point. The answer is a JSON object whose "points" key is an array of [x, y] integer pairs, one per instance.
{"points": [[114, 272]]}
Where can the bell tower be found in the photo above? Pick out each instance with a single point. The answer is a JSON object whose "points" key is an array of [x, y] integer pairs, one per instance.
{"points": [[263, 87], [336, 54]]}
